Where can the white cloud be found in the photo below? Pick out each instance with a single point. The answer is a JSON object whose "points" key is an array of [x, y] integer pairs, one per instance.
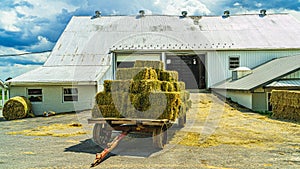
{"points": [[236, 4], [15, 70], [45, 9], [16, 65], [258, 4], [43, 43], [9, 20], [174, 7]]}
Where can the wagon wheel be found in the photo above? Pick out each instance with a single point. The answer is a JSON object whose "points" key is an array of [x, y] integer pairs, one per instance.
{"points": [[102, 134], [160, 137], [182, 120]]}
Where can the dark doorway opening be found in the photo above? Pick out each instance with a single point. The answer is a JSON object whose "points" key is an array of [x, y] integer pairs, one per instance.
{"points": [[269, 103], [191, 69], [125, 64]]}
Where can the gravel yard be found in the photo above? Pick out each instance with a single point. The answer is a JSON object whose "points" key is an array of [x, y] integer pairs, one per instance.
{"points": [[217, 135]]}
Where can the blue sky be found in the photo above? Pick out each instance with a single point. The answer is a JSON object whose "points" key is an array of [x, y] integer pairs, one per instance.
{"points": [[35, 25]]}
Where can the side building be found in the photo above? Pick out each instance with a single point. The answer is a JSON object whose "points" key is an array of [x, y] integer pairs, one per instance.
{"points": [[253, 88]]}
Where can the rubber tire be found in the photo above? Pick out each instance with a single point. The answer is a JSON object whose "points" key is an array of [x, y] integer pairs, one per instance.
{"points": [[102, 134], [182, 121], [159, 138]]}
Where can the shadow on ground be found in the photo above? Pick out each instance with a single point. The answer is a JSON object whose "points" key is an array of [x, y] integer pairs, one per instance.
{"points": [[138, 147], [134, 144]]}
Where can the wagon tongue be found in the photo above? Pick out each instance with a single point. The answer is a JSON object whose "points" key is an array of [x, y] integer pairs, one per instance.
{"points": [[110, 146]]}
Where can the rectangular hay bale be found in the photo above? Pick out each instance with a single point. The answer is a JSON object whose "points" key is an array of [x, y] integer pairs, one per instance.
{"points": [[121, 85], [127, 73], [145, 86], [170, 76], [146, 63], [103, 98], [136, 73], [109, 111], [146, 74], [285, 104]]}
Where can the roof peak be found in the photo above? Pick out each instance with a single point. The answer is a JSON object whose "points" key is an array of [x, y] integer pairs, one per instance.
{"points": [[167, 15]]}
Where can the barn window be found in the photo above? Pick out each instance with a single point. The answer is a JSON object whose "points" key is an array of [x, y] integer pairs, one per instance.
{"points": [[35, 95], [234, 62], [70, 94]]}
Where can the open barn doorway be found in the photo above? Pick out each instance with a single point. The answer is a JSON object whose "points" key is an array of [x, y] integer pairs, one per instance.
{"points": [[191, 69]]}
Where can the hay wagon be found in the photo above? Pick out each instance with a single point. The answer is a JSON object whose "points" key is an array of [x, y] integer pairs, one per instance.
{"points": [[145, 98], [103, 128]]}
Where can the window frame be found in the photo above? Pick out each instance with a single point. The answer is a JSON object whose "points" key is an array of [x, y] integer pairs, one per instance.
{"points": [[29, 95], [70, 94], [231, 59]]}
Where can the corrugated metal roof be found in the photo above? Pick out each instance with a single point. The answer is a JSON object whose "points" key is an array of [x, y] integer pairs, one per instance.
{"points": [[62, 74], [252, 32], [285, 83], [88, 42], [264, 74]]}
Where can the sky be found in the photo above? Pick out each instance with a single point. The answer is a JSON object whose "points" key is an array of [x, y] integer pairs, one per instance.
{"points": [[34, 26]]}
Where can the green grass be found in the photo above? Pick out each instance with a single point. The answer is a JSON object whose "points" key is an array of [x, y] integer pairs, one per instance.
{"points": [[1, 98], [265, 113], [1, 95]]}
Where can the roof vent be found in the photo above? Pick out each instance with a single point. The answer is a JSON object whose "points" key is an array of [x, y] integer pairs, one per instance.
{"points": [[184, 14], [142, 13], [97, 14], [263, 13], [226, 14], [240, 72]]}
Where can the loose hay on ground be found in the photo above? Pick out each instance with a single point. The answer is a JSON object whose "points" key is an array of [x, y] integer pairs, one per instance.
{"points": [[245, 129], [55, 130]]}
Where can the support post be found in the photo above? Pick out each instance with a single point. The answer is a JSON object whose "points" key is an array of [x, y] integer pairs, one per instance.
{"points": [[3, 96]]}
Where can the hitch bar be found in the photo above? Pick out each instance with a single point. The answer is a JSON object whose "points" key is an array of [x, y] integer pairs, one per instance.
{"points": [[110, 146]]}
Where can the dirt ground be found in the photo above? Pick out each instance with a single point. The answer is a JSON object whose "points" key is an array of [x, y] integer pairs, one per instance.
{"points": [[217, 135]]}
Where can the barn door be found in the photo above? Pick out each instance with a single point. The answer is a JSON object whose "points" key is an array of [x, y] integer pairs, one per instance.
{"points": [[190, 68]]}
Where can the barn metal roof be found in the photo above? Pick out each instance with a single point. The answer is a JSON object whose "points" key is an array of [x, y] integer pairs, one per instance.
{"points": [[89, 42], [62, 74], [2, 85], [264, 74], [285, 83]]}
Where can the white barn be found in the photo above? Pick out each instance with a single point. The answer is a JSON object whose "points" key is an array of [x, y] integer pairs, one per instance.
{"points": [[203, 49]]}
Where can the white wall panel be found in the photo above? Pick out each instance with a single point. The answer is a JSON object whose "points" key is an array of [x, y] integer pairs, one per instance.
{"points": [[218, 63]]}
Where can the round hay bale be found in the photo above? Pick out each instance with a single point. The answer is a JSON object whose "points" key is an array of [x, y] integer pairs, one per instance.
{"points": [[17, 108]]}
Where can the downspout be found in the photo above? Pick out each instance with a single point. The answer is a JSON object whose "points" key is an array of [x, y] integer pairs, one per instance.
{"points": [[163, 58]]}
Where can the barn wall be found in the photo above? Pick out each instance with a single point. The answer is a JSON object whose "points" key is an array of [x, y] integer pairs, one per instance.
{"points": [[259, 102], [53, 98], [242, 98], [217, 62]]}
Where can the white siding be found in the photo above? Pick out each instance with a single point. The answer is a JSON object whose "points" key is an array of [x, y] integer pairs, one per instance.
{"points": [[218, 64], [53, 98], [242, 98], [107, 76]]}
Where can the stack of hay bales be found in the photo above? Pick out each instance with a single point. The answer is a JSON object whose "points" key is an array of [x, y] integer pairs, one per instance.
{"points": [[17, 108], [286, 104], [144, 91]]}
